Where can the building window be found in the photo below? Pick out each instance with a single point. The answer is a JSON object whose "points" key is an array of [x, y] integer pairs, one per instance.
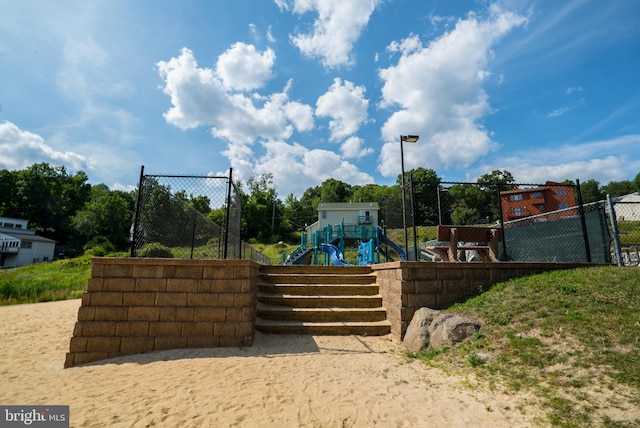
{"points": [[364, 217], [540, 207], [563, 205], [324, 215], [26, 244], [561, 192], [515, 197], [536, 195], [518, 212]]}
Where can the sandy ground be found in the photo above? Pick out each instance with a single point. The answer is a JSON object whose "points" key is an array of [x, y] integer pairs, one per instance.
{"points": [[281, 381]]}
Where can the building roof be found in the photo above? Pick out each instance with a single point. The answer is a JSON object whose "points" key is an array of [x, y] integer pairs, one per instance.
{"points": [[347, 206], [29, 237], [526, 190], [631, 197], [549, 184]]}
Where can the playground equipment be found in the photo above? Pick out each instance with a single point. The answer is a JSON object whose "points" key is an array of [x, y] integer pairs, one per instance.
{"points": [[337, 258], [333, 241]]}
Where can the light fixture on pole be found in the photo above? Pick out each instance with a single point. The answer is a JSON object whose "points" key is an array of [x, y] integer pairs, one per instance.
{"points": [[405, 139]]}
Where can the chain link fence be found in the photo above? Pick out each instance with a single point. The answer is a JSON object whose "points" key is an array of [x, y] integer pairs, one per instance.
{"points": [[396, 212], [536, 222], [625, 221], [189, 217]]}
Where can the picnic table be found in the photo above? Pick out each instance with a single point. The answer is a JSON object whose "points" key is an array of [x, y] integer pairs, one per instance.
{"points": [[483, 240]]}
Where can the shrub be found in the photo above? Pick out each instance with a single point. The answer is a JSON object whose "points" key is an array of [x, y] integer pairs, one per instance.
{"points": [[99, 246], [155, 249]]}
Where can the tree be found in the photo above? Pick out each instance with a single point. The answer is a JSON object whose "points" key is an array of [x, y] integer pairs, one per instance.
{"points": [[333, 190], [48, 197], [8, 197], [636, 182], [262, 211], [425, 192], [618, 188], [477, 203], [108, 214], [371, 193], [298, 214], [591, 191]]}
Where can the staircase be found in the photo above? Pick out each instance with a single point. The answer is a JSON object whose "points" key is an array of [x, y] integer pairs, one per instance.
{"points": [[321, 300]]}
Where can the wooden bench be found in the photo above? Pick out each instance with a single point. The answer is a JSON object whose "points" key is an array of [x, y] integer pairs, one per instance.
{"points": [[486, 239]]}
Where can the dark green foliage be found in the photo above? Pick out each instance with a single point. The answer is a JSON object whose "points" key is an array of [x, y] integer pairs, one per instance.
{"points": [[155, 249]]}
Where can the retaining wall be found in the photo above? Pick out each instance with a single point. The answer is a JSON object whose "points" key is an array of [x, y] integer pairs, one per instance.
{"points": [[408, 286], [136, 305]]}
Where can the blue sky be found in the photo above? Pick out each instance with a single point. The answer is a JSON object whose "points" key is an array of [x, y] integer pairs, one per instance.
{"points": [[315, 89]]}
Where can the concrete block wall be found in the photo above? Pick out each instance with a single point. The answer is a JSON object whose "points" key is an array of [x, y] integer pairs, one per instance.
{"points": [[136, 305], [406, 287]]}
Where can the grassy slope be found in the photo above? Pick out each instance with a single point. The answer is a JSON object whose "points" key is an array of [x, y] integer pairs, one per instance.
{"points": [[570, 337], [59, 280]]}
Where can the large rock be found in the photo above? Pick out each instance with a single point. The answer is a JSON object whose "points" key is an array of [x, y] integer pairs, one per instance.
{"points": [[434, 329], [449, 329], [417, 335]]}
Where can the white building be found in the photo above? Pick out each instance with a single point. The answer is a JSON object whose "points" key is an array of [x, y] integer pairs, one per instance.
{"points": [[20, 245], [627, 207], [361, 213]]}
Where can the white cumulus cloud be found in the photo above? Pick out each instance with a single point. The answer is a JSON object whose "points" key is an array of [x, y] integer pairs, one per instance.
{"points": [[296, 168], [335, 30], [200, 97], [243, 68], [346, 105], [438, 89], [21, 149]]}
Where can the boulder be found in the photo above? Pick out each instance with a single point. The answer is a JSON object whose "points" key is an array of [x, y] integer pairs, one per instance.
{"points": [[417, 335], [434, 329], [449, 329]]}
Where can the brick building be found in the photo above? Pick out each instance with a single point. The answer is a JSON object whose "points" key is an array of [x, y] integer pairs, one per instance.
{"points": [[526, 202]]}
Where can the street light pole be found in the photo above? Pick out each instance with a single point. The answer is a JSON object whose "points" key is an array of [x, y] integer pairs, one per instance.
{"points": [[403, 139]]}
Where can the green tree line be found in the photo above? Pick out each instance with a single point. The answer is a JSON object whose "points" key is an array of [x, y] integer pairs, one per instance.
{"points": [[81, 216]]}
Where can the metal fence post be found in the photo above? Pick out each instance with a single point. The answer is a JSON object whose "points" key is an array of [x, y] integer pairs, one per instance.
{"points": [[413, 223], [583, 221], [503, 256], [614, 230], [193, 232], [226, 228], [134, 233]]}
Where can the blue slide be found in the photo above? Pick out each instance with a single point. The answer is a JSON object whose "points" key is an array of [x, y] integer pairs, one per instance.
{"points": [[337, 259], [383, 239]]}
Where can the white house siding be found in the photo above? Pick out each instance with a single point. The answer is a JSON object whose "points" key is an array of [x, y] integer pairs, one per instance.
{"points": [[23, 246], [627, 207], [335, 213]]}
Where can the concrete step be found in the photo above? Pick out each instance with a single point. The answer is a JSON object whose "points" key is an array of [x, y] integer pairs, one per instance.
{"points": [[374, 328], [331, 300], [321, 270], [288, 313], [296, 278], [319, 301], [319, 289]]}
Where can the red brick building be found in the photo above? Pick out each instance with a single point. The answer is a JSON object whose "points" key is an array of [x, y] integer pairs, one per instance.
{"points": [[520, 203]]}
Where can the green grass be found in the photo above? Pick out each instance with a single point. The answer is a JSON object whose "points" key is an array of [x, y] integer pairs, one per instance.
{"points": [[629, 232], [561, 335], [58, 280], [274, 251]]}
